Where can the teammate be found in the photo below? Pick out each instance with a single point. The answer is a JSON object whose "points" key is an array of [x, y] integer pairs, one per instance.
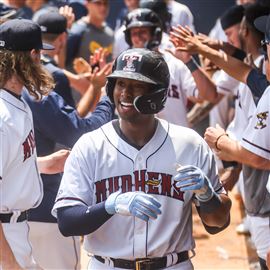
{"points": [[21, 187], [120, 183], [255, 167], [143, 29]]}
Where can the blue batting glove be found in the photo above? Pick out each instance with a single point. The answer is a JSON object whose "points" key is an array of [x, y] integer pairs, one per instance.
{"points": [[192, 178], [136, 204]]}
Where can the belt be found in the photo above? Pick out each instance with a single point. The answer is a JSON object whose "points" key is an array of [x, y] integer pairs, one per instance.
{"points": [[145, 263], [6, 218]]}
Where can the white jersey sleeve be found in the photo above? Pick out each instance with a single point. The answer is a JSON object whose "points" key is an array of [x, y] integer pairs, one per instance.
{"points": [[77, 183], [120, 44], [226, 84], [182, 85], [21, 185], [256, 136], [268, 184], [181, 14]]}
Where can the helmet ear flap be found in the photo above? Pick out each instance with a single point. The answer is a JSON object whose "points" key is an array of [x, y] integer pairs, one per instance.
{"points": [[151, 103]]}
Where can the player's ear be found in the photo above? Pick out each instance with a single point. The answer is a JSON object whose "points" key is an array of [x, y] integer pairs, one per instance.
{"points": [[35, 55]]}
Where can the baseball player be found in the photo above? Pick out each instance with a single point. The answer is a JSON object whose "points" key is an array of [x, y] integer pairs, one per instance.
{"points": [[120, 182], [143, 30], [21, 186], [255, 168]]}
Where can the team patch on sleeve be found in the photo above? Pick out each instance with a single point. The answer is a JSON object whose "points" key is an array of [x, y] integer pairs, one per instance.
{"points": [[261, 122]]}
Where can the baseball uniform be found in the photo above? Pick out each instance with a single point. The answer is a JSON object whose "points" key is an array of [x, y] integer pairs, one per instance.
{"points": [[103, 162], [182, 85], [256, 139], [56, 122], [20, 182]]}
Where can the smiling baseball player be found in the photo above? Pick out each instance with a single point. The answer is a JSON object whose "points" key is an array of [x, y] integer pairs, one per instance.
{"points": [[120, 183]]}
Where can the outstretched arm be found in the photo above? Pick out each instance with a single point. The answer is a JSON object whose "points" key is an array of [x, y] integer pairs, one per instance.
{"points": [[53, 163], [231, 150], [229, 64], [207, 88]]}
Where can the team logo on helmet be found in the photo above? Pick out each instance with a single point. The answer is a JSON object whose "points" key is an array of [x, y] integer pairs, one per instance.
{"points": [[135, 16], [130, 59], [261, 120]]}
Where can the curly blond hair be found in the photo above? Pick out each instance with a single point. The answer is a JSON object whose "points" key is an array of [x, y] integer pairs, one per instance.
{"points": [[32, 75]]}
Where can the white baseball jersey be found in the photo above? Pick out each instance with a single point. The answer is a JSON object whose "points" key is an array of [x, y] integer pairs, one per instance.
{"points": [[20, 183], [220, 112], [182, 85], [217, 32], [268, 184], [121, 45], [244, 104], [101, 163], [181, 14], [256, 137]]}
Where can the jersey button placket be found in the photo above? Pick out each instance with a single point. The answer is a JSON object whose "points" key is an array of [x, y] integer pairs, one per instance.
{"points": [[139, 238]]}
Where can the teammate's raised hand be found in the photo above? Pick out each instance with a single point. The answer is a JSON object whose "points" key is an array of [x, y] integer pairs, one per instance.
{"points": [[184, 39], [192, 178], [136, 204]]}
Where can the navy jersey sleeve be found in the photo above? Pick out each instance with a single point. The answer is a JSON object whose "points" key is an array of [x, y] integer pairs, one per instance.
{"points": [[62, 87], [74, 41], [61, 123], [257, 82]]}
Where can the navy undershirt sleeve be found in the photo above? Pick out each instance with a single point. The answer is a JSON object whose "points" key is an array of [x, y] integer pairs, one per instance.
{"points": [[257, 82], [80, 219]]}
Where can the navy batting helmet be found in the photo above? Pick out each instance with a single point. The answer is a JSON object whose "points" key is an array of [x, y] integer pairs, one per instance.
{"points": [[143, 17], [161, 9], [145, 66]]}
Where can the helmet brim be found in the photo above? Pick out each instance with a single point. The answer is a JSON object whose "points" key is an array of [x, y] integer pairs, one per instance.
{"points": [[132, 76]]}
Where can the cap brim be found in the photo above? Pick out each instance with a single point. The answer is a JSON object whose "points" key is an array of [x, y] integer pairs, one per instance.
{"points": [[46, 46], [132, 76], [260, 23], [8, 15]]}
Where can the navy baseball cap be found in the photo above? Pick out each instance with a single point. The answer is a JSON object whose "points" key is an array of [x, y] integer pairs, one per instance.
{"points": [[263, 25], [21, 35], [7, 12], [52, 22], [232, 16]]}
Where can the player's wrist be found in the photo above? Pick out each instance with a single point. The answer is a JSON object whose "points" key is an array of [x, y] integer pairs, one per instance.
{"points": [[192, 64], [209, 191], [211, 205], [217, 140], [110, 203]]}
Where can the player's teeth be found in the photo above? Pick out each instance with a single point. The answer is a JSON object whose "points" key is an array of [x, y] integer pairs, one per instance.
{"points": [[126, 104]]}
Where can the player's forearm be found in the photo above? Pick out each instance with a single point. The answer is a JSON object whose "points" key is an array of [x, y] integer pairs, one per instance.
{"points": [[88, 101], [207, 88], [220, 217], [233, 149], [234, 67], [80, 219]]}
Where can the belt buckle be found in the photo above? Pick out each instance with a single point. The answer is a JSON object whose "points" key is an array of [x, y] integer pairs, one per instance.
{"points": [[143, 264]]}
